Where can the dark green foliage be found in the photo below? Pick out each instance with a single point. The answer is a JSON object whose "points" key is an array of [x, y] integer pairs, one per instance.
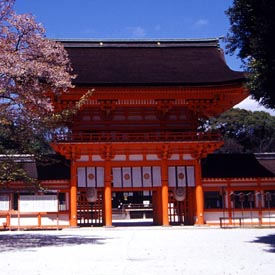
{"points": [[251, 36], [245, 131]]}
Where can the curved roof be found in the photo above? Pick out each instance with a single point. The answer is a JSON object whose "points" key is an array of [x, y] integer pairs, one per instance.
{"points": [[149, 62], [233, 166]]}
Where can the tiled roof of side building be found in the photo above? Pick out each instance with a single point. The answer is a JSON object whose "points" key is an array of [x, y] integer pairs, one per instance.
{"points": [[233, 166], [54, 167], [178, 62], [267, 160]]}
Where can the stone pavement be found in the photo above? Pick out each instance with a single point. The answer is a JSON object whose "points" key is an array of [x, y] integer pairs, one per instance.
{"points": [[138, 250]]}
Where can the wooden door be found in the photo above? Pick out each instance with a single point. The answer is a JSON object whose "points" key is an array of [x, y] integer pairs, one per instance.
{"points": [[89, 214], [182, 212]]}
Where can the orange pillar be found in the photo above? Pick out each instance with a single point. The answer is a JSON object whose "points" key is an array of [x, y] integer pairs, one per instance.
{"points": [[73, 196], [164, 192], [258, 197], [229, 203], [199, 195], [157, 206], [108, 194]]}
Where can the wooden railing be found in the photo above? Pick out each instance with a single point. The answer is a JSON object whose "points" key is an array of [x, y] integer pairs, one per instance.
{"points": [[137, 137]]}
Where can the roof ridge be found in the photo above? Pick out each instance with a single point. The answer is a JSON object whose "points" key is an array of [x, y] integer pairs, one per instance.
{"points": [[154, 42], [138, 39]]}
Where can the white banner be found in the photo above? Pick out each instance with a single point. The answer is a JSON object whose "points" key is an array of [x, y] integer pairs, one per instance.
{"points": [[117, 180], [147, 177], [90, 176], [99, 176], [156, 176], [81, 177], [137, 177], [179, 176], [191, 176], [128, 177]]}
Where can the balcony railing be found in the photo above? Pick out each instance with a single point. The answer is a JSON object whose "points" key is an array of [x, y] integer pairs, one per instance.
{"points": [[138, 137]]}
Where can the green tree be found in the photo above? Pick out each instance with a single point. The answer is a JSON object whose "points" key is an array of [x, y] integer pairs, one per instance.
{"points": [[245, 131], [251, 36]]}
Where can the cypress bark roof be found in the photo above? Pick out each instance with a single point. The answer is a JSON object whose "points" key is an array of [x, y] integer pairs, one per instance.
{"points": [[267, 160], [233, 166], [149, 62], [55, 167]]}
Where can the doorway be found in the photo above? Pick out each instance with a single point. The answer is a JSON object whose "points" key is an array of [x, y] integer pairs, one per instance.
{"points": [[132, 208], [182, 212], [89, 213]]}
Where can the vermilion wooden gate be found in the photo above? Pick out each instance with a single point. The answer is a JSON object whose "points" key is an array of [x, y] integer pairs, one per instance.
{"points": [[89, 214], [182, 212]]}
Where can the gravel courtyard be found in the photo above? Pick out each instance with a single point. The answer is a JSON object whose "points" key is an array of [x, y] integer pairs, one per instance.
{"points": [[138, 250]]}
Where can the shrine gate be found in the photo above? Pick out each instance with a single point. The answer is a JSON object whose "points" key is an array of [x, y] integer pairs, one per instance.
{"points": [[138, 135]]}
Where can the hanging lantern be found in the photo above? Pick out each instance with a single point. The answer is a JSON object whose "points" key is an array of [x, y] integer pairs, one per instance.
{"points": [[180, 194], [91, 194]]}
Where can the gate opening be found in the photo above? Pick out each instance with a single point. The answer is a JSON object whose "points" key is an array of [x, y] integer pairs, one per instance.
{"points": [[89, 213], [132, 208], [135, 207], [182, 212]]}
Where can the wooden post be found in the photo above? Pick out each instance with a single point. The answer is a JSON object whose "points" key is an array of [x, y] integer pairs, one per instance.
{"points": [[73, 195], [8, 220], [199, 195], [157, 206], [108, 191], [258, 198], [230, 214], [164, 191], [39, 219]]}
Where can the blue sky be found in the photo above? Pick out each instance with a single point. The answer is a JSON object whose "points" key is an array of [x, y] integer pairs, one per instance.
{"points": [[130, 18], [133, 19]]}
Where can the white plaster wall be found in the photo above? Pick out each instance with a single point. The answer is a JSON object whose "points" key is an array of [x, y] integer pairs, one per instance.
{"points": [[119, 158], [29, 221], [268, 216], [136, 157], [14, 221], [152, 157], [2, 220], [52, 220], [213, 217]]}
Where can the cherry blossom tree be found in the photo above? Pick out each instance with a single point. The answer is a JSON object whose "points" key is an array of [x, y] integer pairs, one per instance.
{"points": [[31, 68]]}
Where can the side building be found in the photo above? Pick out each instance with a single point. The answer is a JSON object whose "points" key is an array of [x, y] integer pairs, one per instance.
{"points": [[238, 190]]}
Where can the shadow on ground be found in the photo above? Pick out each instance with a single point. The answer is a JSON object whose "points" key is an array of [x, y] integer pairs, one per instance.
{"points": [[269, 240], [29, 241]]}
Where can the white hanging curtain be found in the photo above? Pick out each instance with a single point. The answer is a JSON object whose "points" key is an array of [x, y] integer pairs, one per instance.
{"points": [[127, 177], [90, 176], [180, 176]]}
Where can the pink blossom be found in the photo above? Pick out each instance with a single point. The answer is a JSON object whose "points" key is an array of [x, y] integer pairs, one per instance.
{"points": [[31, 66]]}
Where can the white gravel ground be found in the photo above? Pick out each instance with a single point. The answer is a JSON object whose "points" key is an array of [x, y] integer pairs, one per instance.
{"points": [[138, 250]]}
